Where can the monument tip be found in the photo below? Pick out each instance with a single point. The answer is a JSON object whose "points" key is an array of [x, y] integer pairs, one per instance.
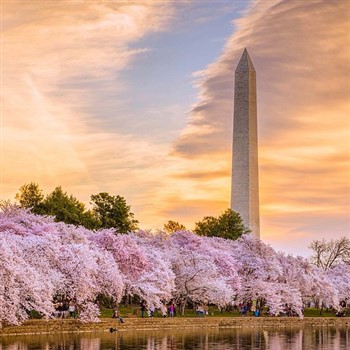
{"points": [[245, 63]]}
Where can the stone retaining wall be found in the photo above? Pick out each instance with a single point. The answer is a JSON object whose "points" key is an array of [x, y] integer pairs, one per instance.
{"points": [[138, 324]]}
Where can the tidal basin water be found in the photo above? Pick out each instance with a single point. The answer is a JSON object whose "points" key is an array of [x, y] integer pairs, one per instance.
{"points": [[308, 338]]}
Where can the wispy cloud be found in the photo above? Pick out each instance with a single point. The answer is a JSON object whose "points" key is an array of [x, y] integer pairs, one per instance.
{"points": [[301, 53], [57, 58], [66, 115]]}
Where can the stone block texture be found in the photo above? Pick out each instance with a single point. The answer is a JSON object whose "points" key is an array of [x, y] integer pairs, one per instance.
{"points": [[245, 177]]}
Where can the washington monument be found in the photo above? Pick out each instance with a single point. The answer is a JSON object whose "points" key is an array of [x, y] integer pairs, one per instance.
{"points": [[245, 179]]}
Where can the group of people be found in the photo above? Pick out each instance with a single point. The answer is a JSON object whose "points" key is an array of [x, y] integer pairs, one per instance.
{"points": [[201, 310], [64, 309], [252, 306], [170, 311]]}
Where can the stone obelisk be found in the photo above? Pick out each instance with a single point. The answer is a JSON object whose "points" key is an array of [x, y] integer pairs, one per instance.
{"points": [[245, 180]]}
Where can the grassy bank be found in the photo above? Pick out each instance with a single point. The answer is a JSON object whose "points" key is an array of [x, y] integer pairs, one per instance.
{"points": [[170, 324], [132, 321], [129, 312]]}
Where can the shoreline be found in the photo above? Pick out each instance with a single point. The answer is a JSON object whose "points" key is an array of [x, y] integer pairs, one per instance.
{"points": [[37, 327]]}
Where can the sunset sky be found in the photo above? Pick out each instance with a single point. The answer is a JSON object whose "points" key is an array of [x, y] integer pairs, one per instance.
{"points": [[136, 99]]}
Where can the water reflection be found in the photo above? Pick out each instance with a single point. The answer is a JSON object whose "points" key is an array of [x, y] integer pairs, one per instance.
{"points": [[311, 338]]}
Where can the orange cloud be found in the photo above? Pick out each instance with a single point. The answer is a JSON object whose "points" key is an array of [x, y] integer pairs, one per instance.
{"points": [[301, 53], [50, 51], [205, 175]]}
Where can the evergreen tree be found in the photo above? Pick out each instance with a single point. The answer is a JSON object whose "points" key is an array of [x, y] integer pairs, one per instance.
{"points": [[228, 225], [113, 212], [173, 226], [68, 209], [31, 197]]}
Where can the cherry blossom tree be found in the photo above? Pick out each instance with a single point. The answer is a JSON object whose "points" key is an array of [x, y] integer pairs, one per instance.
{"points": [[340, 278], [309, 280], [53, 259], [41, 259], [220, 252], [263, 277], [146, 270], [198, 275], [22, 287]]}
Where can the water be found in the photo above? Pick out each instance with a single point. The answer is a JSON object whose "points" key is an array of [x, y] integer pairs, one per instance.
{"points": [[308, 338]]}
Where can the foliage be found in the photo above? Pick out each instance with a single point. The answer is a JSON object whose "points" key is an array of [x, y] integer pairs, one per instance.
{"points": [[173, 226], [41, 260], [328, 254], [228, 225], [213, 311], [315, 312], [146, 271], [198, 277], [68, 209], [31, 196], [339, 275], [113, 212], [108, 211]]}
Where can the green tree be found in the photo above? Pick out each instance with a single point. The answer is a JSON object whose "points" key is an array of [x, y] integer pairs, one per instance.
{"points": [[68, 209], [113, 212], [228, 225], [31, 196], [173, 226]]}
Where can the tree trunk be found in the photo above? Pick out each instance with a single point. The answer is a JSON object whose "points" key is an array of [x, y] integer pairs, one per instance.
{"points": [[321, 308], [182, 306]]}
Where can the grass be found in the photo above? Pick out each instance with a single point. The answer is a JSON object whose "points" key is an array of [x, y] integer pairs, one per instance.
{"points": [[213, 311], [130, 310], [313, 312]]}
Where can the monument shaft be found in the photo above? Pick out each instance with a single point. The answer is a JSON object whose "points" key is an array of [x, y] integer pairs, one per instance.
{"points": [[245, 178]]}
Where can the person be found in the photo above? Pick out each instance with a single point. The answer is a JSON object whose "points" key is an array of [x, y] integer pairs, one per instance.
{"points": [[151, 311], [244, 310], [115, 313], [164, 312], [143, 309], [56, 312], [71, 308], [253, 306], [117, 316], [65, 308], [200, 311], [171, 310], [60, 310]]}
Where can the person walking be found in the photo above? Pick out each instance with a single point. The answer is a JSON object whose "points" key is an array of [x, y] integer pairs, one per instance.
{"points": [[171, 310], [143, 309]]}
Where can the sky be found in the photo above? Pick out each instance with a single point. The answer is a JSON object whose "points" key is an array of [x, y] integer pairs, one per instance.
{"points": [[135, 98]]}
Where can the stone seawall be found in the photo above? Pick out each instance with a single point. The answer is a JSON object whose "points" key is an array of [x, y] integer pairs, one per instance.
{"points": [[138, 324]]}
